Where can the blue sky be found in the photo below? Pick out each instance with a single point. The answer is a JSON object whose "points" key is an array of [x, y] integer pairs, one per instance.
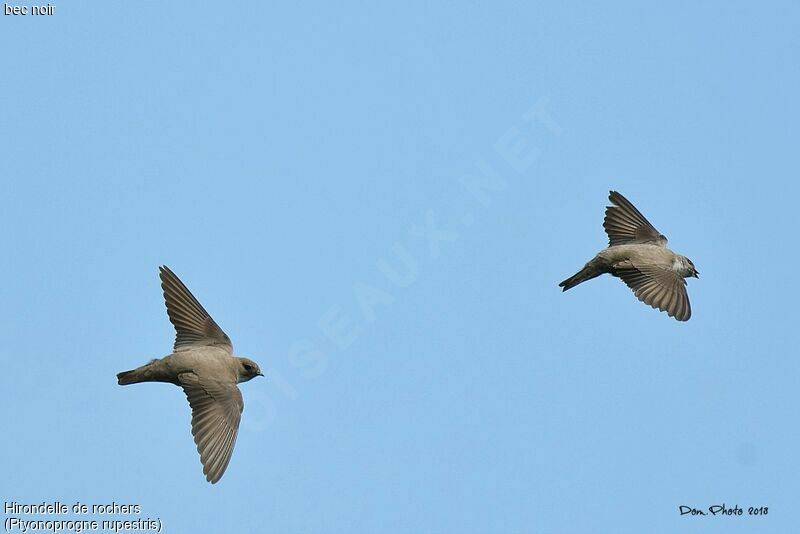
{"points": [[283, 159]]}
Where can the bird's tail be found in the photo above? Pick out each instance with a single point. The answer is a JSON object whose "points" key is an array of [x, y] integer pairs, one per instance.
{"points": [[146, 373], [128, 377], [593, 269]]}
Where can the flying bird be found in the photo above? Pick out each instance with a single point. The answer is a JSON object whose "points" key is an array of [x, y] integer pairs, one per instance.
{"points": [[638, 254], [203, 364]]}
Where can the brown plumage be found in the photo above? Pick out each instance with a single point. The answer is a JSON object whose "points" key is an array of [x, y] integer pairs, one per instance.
{"points": [[638, 254], [203, 364]]}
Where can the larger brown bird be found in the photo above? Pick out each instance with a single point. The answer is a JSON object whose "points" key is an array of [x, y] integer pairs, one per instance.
{"points": [[638, 254], [203, 364]]}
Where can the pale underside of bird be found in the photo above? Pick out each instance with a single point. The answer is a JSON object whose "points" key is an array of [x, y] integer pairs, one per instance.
{"points": [[638, 254], [203, 364]]}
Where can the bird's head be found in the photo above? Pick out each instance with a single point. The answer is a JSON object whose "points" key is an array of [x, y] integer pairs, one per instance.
{"points": [[685, 267], [248, 369]]}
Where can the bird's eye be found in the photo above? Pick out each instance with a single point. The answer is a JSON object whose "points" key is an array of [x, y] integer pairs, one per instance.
{"points": [[248, 367]]}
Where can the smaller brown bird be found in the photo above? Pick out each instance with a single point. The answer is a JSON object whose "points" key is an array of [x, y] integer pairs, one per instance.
{"points": [[203, 364], [638, 254]]}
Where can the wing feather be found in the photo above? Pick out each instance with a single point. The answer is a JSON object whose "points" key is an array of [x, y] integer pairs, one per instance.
{"points": [[216, 411], [194, 327], [624, 224], [658, 287]]}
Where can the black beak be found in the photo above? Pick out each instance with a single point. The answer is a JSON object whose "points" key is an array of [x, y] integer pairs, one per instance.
{"points": [[696, 274], [259, 374]]}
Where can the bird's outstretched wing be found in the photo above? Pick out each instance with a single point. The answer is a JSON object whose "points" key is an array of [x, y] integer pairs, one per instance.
{"points": [[194, 327], [659, 287], [216, 411], [624, 224]]}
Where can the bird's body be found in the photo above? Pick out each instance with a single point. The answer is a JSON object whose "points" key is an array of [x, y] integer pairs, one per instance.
{"points": [[215, 361], [638, 254], [203, 364]]}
